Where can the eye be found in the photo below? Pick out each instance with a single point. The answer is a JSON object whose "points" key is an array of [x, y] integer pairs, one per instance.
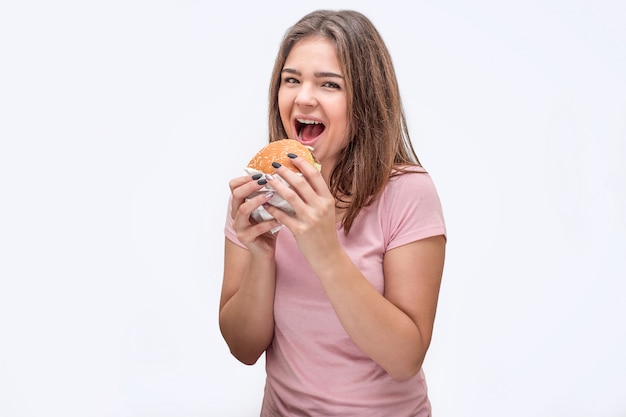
{"points": [[290, 80], [330, 84]]}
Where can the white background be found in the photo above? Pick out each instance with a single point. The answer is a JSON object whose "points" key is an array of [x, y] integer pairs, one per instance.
{"points": [[122, 121]]}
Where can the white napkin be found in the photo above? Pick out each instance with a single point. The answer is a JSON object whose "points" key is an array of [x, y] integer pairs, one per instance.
{"points": [[260, 214]]}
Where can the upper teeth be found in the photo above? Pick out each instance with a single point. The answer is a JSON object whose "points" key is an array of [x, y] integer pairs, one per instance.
{"points": [[308, 122]]}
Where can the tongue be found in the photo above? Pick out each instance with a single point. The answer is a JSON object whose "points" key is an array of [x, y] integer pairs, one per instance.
{"points": [[310, 132]]}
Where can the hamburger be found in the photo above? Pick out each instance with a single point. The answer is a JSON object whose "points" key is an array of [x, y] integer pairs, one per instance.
{"points": [[277, 151], [261, 163]]}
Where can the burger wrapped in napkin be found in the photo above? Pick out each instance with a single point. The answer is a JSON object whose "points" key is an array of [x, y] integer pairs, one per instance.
{"points": [[261, 163]]}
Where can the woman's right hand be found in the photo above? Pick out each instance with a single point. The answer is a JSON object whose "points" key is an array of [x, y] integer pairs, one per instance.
{"points": [[256, 236]]}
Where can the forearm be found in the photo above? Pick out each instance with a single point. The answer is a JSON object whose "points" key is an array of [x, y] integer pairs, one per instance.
{"points": [[247, 318], [381, 330]]}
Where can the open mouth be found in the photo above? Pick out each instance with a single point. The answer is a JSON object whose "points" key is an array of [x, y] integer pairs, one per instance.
{"points": [[308, 131]]}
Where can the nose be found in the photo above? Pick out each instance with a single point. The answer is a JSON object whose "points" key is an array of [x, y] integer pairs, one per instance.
{"points": [[306, 96]]}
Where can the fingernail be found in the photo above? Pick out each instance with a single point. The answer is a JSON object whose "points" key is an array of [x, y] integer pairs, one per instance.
{"points": [[256, 176], [268, 195], [276, 165], [269, 177], [292, 155], [262, 182]]}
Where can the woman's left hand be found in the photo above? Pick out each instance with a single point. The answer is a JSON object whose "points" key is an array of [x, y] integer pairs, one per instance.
{"points": [[314, 222]]}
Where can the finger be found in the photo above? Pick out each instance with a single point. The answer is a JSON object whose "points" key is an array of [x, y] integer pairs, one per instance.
{"points": [[245, 209], [301, 209], [242, 188], [246, 227], [299, 195], [246, 180], [248, 235], [296, 182], [312, 174], [238, 182], [281, 217]]}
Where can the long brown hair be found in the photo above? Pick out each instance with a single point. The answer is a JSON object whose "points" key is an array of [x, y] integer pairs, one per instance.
{"points": [[379, 145]]}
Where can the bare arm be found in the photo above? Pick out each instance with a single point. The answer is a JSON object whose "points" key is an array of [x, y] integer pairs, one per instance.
{"points": [[393, 328], [247, 303], [246, 314]]}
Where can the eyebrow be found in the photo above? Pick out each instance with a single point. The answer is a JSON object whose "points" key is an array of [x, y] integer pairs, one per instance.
{"points": [[319, 74]]}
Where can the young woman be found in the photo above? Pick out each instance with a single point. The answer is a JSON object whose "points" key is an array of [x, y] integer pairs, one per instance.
{"points": [[342, 299]]}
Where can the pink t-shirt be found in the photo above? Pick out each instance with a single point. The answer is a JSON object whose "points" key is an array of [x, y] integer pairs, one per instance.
{"points": [[313, 367]]}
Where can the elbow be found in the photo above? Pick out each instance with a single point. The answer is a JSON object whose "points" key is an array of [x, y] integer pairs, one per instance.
{"points": [[246, 358], [405, 370], [245, 350], [408, 364], [244, 353], [403, 374]]}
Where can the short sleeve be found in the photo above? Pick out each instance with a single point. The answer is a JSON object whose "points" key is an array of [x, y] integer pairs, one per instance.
{"points": [[412, 209], [229, 232]]}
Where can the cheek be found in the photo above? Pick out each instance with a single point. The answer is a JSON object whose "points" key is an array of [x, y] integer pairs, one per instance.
{"points": [[284, 99], [341, 115]]}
